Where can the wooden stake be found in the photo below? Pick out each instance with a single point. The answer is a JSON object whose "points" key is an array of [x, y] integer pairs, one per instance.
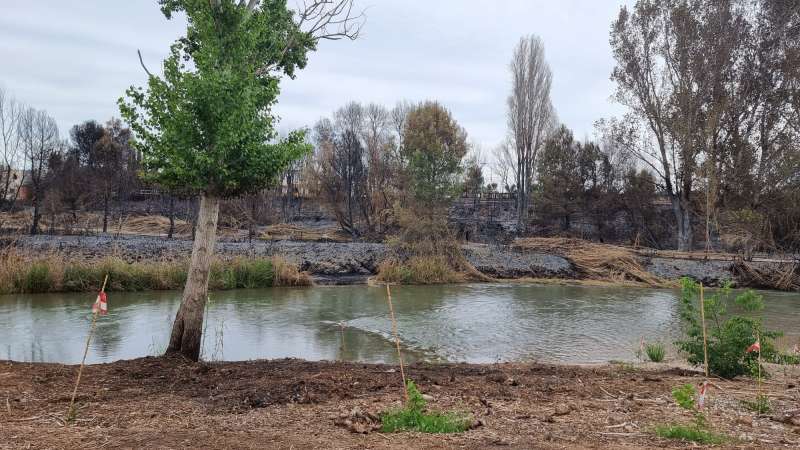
{"points": [[705, 336], [71, 409], [397, 342]]}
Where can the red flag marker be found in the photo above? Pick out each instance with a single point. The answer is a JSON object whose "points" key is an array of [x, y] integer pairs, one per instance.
{"points": [[701, 399], [754, 348], [101, 304]]}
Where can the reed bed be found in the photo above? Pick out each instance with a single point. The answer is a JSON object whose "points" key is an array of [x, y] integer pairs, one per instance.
{"points": [[21, 273], [595, 261], [418, 270]]}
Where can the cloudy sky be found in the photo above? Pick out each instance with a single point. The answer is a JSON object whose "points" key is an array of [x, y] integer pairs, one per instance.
{"points": [[75, 58]]}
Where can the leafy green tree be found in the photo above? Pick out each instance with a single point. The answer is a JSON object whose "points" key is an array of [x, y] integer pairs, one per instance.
{"points": [[434, 146], [729, 336], [206, 126]]}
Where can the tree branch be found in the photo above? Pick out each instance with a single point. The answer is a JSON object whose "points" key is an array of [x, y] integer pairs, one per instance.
{"points": [[141, 61]]}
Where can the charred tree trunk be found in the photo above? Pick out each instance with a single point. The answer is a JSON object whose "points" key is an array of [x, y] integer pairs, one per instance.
{"points": [[105, 213], [188, 327], [171, 230], [36, 213]]}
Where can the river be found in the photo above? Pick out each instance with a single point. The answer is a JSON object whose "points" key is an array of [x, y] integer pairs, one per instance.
{"points": [[476, 323]]}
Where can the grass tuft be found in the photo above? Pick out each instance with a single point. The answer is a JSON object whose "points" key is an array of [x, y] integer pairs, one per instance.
{"points": [[760, 405], [414, 417], [690, 433], [655, 352]]}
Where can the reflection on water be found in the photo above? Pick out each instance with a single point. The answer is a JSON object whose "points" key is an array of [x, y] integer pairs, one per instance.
{"points": [[474, 323]]}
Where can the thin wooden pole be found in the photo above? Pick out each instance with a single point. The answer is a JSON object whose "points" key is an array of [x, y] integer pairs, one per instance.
{"points": [[397, 342], [70, 410], [705, 335]]}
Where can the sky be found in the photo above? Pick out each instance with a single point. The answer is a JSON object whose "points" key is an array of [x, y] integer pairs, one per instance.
{"points": [[76, 58]]}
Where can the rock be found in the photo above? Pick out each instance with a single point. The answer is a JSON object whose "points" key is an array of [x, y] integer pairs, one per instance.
{"points": [[562, 410], [427, 398], [745, 420]]}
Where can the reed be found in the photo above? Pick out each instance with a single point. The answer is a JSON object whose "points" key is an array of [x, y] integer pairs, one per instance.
{"points": [[24, 274], [419, 270]]}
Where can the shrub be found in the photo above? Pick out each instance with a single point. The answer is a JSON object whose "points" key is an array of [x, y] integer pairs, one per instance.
{"points": [[655, 351], [413, 417], [728, 336]]}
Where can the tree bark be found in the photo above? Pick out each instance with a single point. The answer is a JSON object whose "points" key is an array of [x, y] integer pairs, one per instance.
{"points": [[35, 224], [188, 327], [105, 213], [683, 221], [171, 231]]}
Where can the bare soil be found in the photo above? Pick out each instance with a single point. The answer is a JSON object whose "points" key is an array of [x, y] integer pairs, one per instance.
{"points": [[172, 403]]}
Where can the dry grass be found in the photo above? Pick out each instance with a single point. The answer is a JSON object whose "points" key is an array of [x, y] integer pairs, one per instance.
{"points": [[418, 270], [291, 232], [155, 225], [595, 261], [785, 277]]}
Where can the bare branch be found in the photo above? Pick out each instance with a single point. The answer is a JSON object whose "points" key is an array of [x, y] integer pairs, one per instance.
{"points": [[141, 61]]}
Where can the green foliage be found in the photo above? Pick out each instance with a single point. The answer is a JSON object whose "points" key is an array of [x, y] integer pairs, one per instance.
{"points": [[728, 335], [206, 126], [684, 396], [434, 145], [690, 433], [413, 417], [698, 431], [655, 351], [760, 405]]}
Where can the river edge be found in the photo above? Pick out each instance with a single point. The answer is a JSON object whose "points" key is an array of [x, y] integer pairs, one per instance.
{"points": [[172, 403], [339, 263]]}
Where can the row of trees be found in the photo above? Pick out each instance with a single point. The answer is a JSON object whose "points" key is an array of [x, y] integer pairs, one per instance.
{"points": [[369, 159], [712, 93], [94, 166]]}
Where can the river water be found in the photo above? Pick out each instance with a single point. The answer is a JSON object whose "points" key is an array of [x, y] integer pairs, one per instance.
{"points": [[472, 323]]}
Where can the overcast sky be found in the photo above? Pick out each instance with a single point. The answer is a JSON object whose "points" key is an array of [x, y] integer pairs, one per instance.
{"points": [[75, 58]]}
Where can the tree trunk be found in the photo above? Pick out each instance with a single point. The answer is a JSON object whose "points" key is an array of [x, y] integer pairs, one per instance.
{"points": [[683, 220], [171, 231], [35, 224], [105, 213], [188, 327]]}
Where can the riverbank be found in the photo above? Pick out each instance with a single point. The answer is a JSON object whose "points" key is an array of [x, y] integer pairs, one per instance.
{"points": [[171, 403], [349, 262]]}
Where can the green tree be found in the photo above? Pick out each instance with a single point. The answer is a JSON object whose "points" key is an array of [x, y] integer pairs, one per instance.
{"points": [[434, 146], [206, 126]]}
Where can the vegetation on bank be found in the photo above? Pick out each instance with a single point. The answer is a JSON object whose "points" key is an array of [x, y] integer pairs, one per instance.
{"points": [[425, 252], [729, 335], [699, 430], [55, 273], [414, 417]]}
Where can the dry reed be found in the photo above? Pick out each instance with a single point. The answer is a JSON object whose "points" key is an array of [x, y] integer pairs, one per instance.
{"points": [[595, 261]]}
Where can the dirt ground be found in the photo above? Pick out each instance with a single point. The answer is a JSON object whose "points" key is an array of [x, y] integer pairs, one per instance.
{"points": [[171, 403]]}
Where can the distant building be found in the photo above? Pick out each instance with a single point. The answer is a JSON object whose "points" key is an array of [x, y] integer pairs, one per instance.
{"points": [[20, 180]]}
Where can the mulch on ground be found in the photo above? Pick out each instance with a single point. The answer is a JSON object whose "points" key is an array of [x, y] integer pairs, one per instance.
{"points": [[172, 403]]}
